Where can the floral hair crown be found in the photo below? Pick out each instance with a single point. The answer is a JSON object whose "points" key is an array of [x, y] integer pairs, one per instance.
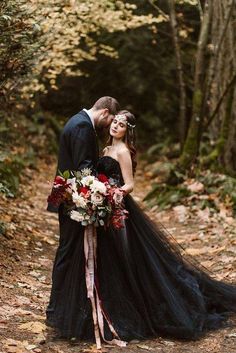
{"points": [[123, 118]]}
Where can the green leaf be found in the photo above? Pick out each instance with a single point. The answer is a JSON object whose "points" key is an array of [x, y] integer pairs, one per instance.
{"points": [[66, 174]]}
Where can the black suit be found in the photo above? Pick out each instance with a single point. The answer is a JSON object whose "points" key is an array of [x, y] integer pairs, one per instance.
{"points": [[78, 149]]}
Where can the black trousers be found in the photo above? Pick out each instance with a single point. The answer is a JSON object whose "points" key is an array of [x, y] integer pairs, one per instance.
{"points": [[71, 232]]}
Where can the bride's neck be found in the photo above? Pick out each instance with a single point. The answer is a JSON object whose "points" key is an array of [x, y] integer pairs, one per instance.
{"points": [[116, 142]]}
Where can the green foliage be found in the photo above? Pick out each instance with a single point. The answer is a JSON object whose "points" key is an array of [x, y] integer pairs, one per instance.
{"points": [[217, 187], [4, 190], [143, 75], [222, 185], [166, 196], [166, 148], [228, 191], [66, 174], [23, 140], [18, 34], [11, 168], [141, 78]]}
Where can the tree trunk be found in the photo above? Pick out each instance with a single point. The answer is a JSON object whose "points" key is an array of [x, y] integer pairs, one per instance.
{"points": [[182, 100], [221, 87], [191, 146], [224, 133], [230, 145]]}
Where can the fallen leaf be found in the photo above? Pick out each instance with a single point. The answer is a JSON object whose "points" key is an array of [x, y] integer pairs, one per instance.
{"points": [[6, 285], [215, 250], [204, 215], [233, 335], [49, 241], [31, 346], [23, 285], [35, 274], [22, 300], [93, 349], [195, 251], [33, 326], [207, 263], [181, 212], [196, 187], [14, 346], [143, 346], [169, 343]]}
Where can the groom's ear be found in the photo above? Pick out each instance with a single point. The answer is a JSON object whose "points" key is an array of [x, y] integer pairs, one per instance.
{"points": [[106, 111]]}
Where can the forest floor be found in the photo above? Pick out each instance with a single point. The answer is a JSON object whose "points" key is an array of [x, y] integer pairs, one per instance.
{"points": [[27, 249]]}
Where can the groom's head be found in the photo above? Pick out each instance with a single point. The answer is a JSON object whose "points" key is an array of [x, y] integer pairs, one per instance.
{"points": [[104, 110]]}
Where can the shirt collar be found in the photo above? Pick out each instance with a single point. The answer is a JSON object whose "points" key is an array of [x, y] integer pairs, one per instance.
{"points": [[90, 115]]}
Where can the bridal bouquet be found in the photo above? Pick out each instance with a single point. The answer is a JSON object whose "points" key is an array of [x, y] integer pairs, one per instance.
{"points": [[89, 199]]}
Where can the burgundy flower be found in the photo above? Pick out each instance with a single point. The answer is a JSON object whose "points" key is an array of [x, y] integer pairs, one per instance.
{"points": [[59, 180], [57, 196], [83, 190], [103, 178], [118, 217]]}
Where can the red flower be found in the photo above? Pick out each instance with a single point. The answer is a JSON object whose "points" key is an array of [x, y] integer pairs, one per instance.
{"points": [[57, 196], [118, 217], [59, 180], [83, 190], [103, 178]]}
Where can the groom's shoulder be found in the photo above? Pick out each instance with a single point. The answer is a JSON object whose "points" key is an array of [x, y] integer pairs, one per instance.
{"points": [[79, 119], [81, 115]]}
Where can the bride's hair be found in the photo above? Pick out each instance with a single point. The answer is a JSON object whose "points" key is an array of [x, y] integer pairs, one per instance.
{"points": [[130, 136]]}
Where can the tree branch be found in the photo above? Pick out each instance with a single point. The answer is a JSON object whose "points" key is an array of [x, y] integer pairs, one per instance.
{"points": [[200, 9], [218, 47], [218, 105], [151, 2], [230, 12]]}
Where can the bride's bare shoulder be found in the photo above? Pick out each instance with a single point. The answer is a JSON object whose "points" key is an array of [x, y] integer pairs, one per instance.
{"points": [[123, 152], [105, 150]]}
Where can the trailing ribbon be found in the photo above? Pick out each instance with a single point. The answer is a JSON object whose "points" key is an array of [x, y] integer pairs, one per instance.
{"points": [[98, 313]]}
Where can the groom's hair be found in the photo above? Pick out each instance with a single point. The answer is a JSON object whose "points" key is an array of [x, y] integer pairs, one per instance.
{"points": [[107, 102]]}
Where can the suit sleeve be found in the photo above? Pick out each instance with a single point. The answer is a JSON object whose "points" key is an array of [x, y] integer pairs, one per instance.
{"points": [[82, 147]]}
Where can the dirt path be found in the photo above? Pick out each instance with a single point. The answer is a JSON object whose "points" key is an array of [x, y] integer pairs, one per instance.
{"points": [[28, 246]]}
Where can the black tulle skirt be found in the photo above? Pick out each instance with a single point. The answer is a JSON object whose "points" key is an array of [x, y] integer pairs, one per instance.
{"points": [[147, 288]]}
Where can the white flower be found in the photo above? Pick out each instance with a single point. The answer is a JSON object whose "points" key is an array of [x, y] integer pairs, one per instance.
{"points": [[87, 180], [73, 185], [98, 186], [97, 199], [118, 197], [101, 221], [79, 200], [76, 216], [86, 171]]}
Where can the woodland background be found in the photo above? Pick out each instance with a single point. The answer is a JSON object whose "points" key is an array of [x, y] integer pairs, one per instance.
{"points": [[172, 63]]}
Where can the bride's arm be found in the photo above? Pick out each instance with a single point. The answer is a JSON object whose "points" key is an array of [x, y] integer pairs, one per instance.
{"points": [[125, 161]]}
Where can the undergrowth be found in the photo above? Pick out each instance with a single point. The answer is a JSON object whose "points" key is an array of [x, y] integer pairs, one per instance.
{"points": [[217, 187]]}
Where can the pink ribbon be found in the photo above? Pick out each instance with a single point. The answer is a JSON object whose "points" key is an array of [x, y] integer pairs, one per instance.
{"points": [[90, 252]]}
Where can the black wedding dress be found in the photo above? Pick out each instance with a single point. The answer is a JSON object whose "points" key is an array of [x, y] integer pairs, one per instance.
{"points": [[147, 288]]}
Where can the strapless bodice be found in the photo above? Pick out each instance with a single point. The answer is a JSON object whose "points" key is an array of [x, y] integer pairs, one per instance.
{"points": [[110, 167]]}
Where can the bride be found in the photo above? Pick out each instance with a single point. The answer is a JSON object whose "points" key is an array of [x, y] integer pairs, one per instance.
{"points": [[146, 288]]}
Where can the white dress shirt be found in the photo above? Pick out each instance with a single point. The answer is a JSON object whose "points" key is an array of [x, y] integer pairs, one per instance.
{"points": [[90, 115]]}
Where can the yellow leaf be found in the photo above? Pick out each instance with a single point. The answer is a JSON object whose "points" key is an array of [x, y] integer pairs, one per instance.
{"points": [[33, 326]]}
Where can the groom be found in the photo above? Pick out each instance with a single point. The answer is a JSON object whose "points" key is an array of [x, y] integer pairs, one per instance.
{"points": [[78, 149]]}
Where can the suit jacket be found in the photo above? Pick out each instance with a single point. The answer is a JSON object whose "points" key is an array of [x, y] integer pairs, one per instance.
{"points": [[78, 147]]}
